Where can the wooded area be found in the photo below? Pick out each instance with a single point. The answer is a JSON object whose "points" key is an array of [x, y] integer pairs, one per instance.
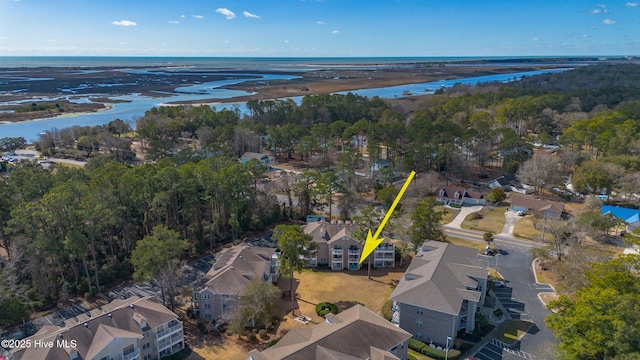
{"points": [[70, 232]]}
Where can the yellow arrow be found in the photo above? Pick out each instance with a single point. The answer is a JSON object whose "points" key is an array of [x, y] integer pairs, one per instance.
{"points": [[372, 242]]}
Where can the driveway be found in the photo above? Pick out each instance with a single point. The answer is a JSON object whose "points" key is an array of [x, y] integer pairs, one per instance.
{"points": [[464, 212]]}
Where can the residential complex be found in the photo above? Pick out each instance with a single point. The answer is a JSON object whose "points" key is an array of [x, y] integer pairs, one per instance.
{"points": [[227, 280], [131, 329], [336, 247], [440, 292], [356, 333]]}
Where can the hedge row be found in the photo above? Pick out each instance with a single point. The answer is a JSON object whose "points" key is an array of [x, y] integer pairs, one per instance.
{"points": [[427, 350]]}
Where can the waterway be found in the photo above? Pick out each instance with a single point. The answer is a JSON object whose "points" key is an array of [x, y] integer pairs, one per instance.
{"points": [[137, 104]]}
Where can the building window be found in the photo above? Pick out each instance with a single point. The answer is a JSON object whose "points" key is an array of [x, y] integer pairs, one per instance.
{"points": [[205, 296], [420, 311], [196, 296], [418, 323]]}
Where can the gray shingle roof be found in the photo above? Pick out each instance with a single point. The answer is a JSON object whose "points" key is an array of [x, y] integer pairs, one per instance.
{"points": [[440, 277], [350, 335], [235, 266], [114, 320]]}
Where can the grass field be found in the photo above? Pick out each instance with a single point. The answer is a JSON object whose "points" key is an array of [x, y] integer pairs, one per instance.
{"points": [[524, 229], [492, 220], [344, 289]]}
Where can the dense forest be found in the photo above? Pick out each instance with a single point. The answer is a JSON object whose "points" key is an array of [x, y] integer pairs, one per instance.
{"points": [[70, 232]]}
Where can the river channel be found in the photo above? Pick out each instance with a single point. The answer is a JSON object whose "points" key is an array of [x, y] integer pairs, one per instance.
{"points": [[136, 104]]}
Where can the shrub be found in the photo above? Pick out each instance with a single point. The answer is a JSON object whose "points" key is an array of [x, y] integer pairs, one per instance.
{"points": [[324, 308], [424, 349], [252, 337], [263, 334], [387, 310]]}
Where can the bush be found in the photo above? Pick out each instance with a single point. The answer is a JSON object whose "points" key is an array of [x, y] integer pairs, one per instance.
{"points": [[263, 334], [324, 308], [387, 310], [424, 349], [252, 337]]}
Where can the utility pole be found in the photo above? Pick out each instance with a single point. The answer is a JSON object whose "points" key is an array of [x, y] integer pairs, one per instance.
{"points": [[544, 225]]}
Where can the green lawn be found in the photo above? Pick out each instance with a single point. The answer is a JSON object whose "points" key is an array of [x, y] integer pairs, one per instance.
{"points": [[414, 355], [492, 219], [447, 214], [524, 229]]}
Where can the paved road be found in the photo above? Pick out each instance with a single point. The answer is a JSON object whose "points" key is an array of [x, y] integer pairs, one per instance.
{"points": [[520, 296]]}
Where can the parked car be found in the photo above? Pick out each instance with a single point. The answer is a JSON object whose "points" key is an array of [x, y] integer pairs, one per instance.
{"points": [[498, 283], [521, 213]]}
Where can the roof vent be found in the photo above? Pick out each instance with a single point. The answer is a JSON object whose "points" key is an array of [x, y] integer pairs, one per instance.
{"points": [[60, 336], [86, 325], [109, 315], [232, 267], [131, 306]]}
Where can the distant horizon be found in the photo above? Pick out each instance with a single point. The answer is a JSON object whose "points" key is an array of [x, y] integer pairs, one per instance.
{"points": [[319, 28]]}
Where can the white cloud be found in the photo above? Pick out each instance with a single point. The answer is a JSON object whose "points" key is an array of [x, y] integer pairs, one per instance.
{"points": [[197, 16], [52, 40], [602, 6], [173, 22], [335, 32], [286, 41], [594, 11], [226, 12], [608, 22], [250, 15], [124, 23], [632, 4], [536, 39], [320, 22], [183, 16]]}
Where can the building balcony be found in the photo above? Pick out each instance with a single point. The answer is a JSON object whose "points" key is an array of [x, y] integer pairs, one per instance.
{"points": [[354, 251], [134, 355], [174, 326], [385, 248], [336, 266], [395, 318], [337, 251], [170, 341]]}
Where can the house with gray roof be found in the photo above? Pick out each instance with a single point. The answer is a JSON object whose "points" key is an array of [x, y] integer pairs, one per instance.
{"points": [[225, 283], [440, 292], [135, 328], [450, 195], [544, 208], [356, 333], [336, 247]]}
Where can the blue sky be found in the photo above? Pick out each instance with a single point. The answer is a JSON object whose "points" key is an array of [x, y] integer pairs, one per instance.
{"points": [[319, 28]]}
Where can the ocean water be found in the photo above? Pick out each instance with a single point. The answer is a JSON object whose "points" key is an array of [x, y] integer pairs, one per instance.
{"points": [[260, 63]]}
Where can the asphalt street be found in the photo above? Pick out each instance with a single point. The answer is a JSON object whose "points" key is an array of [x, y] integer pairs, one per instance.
{"points": [[520, 296]]}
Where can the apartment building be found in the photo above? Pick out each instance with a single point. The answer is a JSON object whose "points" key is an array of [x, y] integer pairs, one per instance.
{"points": [[131, 329], [336, 247]]}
